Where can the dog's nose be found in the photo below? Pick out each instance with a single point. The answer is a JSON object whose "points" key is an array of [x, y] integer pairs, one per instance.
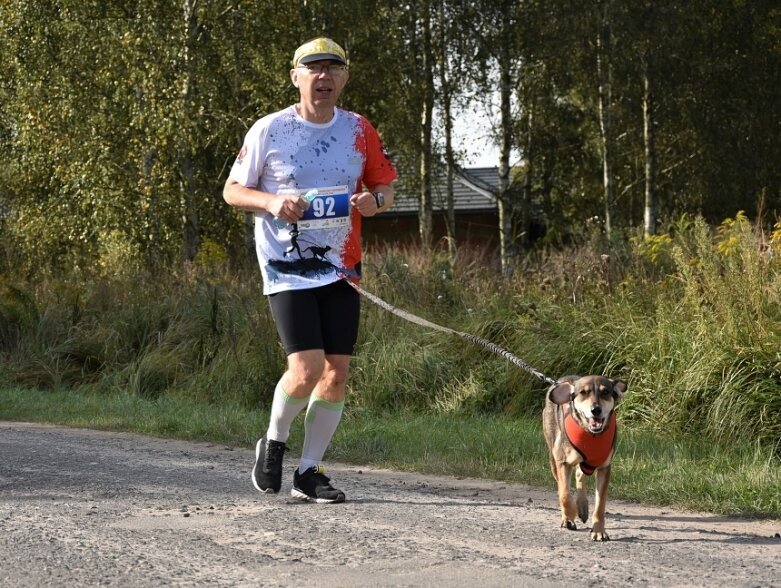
{"points": [[596, 410]]}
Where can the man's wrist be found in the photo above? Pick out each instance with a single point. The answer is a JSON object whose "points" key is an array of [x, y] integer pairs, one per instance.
{"points": [[379, 198]]}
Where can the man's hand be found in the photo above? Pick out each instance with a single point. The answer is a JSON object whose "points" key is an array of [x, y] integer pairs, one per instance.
{"points": [[365, 203], [288, 208]]}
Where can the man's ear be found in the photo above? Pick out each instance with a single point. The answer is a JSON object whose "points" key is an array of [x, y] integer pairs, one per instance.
{"points": [[294, 77]]}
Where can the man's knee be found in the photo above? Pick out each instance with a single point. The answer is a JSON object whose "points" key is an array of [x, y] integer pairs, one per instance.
{"points": [[304, 370], [336, 370]]}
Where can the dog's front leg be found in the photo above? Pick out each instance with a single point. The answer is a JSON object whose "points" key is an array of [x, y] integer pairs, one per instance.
{"points": [[598, 520], [566, 501], [582, 496]]}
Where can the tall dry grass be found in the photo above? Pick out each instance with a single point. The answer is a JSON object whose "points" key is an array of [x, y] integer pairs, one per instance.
{"points": [[691, 320]]}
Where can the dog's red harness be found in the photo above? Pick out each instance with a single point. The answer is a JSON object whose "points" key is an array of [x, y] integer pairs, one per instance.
{"points": [[595, 449]]}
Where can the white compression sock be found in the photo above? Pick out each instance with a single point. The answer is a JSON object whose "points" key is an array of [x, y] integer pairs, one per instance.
{"points": [[284, 410], [322, 418]]}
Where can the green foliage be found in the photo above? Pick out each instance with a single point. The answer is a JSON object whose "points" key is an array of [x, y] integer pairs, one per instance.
{"points": [[211, 255], [17, 315], [200, 338], [698, 345], [710, 349], [657, 249], [119, 122]]}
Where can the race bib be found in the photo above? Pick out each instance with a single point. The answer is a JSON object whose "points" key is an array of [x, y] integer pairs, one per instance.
{"points": [[329, 208]]}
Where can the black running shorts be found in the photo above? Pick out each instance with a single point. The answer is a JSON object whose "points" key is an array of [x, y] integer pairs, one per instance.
{"points": [[318, 318]]}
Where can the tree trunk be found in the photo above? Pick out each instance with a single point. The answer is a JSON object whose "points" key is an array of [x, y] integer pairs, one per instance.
{"points": [[426, 159], [446, 94], [649, 216], [191, 232], [506, 245], [605, 74], [237, 32], [526, 194], [150, 200]]}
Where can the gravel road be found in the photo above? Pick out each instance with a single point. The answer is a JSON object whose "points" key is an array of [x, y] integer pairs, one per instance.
{"points": [[87, 508]]}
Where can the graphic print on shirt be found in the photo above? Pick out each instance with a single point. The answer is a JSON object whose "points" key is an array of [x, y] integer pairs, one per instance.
{"points": [[329, 208], [310, 261], [284, 154]]}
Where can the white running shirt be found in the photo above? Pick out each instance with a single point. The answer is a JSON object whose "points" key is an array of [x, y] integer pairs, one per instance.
{"points": [[284, 154]]}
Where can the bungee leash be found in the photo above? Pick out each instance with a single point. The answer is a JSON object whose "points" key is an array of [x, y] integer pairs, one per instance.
{"points": [[408, 316]]}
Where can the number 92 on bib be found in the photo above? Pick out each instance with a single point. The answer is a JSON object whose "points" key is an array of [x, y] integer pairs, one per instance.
{"points": [[329, 209]]}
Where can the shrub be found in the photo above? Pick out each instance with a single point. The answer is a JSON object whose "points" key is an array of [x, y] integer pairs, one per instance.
{"points": [[690, 319]]}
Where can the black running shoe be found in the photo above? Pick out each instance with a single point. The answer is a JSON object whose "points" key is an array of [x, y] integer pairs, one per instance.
{"points": [[314, 486], [267, 473]]}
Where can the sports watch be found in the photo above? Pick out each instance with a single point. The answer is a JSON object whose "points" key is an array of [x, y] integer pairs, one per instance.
{"points": [[379, 198]]}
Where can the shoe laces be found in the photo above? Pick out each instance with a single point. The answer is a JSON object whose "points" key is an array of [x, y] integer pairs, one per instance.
{"points": [[274, 454]]}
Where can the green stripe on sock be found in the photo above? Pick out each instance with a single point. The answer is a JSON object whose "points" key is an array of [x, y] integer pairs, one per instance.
{"points": [[291, 400], [327, 404]]}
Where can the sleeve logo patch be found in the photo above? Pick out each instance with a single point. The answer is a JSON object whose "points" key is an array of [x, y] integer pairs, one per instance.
{"points": [[242, 154]]}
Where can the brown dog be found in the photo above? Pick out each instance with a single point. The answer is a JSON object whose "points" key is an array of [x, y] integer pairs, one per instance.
{"points": [[580, 429]]}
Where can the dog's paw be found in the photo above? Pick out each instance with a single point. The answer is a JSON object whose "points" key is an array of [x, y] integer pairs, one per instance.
{"points": [[599, 535], [569, 525]]}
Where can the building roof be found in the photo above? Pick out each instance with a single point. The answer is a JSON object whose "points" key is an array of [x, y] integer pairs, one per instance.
{"points": [[474, 190]]}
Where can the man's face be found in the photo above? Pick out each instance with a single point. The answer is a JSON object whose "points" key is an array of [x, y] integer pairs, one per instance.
{"points": [[320, 82]]}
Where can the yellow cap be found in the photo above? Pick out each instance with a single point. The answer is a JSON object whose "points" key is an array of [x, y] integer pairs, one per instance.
{"points": [[317, 49]]}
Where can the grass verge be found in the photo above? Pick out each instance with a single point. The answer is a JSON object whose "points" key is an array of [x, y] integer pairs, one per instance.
{"points": [[742, 479]]}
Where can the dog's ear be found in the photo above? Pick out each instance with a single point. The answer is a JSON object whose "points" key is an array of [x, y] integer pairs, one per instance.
{"points": [[619, 387], [561, 393]]}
